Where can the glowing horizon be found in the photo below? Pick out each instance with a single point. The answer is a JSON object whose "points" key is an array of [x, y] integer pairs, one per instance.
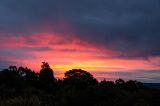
{"points": [[63, 55]]}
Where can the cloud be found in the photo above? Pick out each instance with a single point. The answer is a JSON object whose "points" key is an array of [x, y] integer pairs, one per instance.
{"points": [[125, 26], [5, 64], [140, 75]]}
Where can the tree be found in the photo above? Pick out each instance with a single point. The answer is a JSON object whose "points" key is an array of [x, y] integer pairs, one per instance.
{"points": [[45, 65], [79, 78], [10, 77], [29, 76], [10, 82], [107, 84], [120, 83], [131, 85], [12, 68], [46, 74]]}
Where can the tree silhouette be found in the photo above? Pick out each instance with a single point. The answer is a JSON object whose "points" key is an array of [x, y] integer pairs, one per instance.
{"points": [[29, 76], [12, 68], [45, 65], [10, 82], [79, 78], [46, 75], [107, 84], [120, 83]]}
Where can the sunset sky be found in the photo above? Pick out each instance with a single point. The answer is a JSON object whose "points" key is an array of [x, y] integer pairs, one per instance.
{"points": [[109, 38]]}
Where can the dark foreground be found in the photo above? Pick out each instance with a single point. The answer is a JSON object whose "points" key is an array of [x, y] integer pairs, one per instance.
{"points": [[23, 87]]}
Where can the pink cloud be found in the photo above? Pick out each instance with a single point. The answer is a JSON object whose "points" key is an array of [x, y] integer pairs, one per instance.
{"points": [[65, 52]]}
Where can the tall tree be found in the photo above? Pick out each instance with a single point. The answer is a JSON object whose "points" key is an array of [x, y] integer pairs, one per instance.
{"points": [[46, 74]]}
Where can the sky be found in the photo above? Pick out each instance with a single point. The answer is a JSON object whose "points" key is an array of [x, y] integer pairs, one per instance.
{"points": [[111, 39]]}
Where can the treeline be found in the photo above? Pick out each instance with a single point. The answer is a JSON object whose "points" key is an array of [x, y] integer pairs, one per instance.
{"points": [[24, 87]]}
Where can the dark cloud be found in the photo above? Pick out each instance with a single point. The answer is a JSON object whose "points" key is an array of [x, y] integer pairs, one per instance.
{"points": [[5, 64], [140, 75], [30, 49], [19, 53], [131, 27]]}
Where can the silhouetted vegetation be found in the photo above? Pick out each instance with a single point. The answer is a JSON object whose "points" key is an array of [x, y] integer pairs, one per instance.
{"points": [[24, 87]]}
